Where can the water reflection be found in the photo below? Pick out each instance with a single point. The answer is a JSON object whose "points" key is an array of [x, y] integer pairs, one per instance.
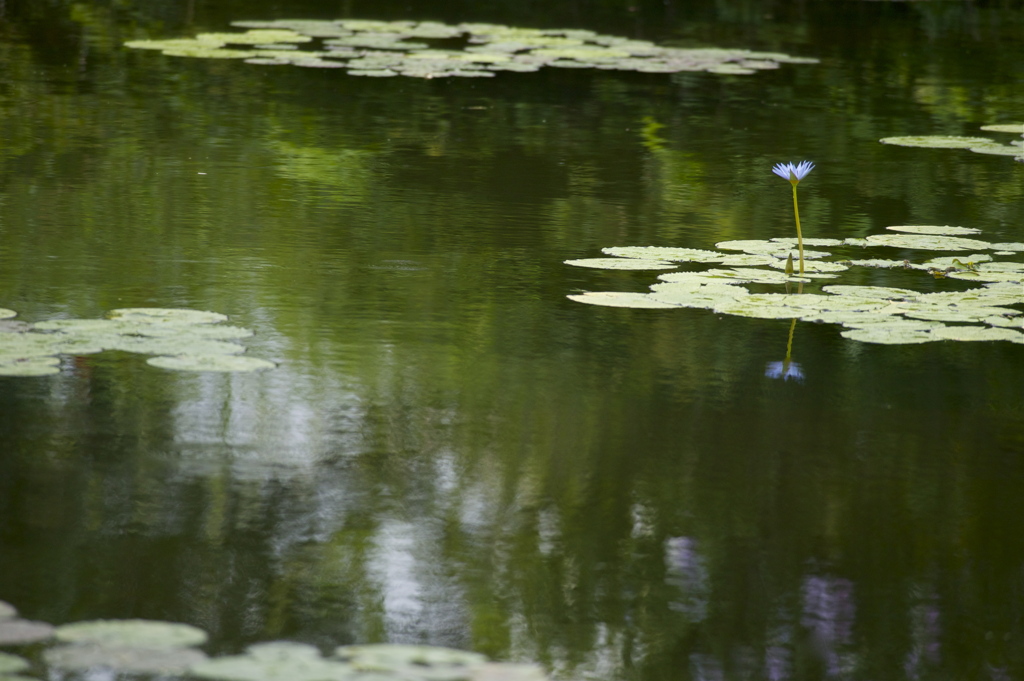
{"points": [[449, 452]]}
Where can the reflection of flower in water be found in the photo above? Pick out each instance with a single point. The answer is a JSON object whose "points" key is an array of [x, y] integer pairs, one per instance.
{"points": [[924, 632], [686, 570], [787, 368], [828, 613], [784, 370]]}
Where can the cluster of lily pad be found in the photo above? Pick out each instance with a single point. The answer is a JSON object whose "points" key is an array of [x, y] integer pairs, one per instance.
{"points": [[425, 49], [149, 647], [979, 145], [184, 340], [874, 314]]}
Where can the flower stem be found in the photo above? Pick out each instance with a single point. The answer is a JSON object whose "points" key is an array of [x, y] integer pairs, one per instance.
{"points": [[799, 234]]}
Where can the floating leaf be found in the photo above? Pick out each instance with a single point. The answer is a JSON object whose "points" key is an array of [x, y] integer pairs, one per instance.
{"points": [[411, 660], [12, 664], [622, 264], [167, 315], [125, 659], [813, 266], [977, 333], [664, 253], [274, 662], [30, 366], [880, 263], [927, 242], [14, 631], [211, 362], [944, 230], [7, 611], [132, 633], [1013, 246], [997, 150], [793, 241], [619, 299], [7, 314], [871, 292], [762, 247], [936, 141], [890, 335], [1004, 127]]}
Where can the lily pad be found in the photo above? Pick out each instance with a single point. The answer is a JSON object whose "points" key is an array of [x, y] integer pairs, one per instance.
{"points": [[30, 366], [7, 314], [406, 660], [7, 610], [275, 661], [944, 230], [762, 247], [871, 292], [936, 141], [12, 664], [216, 362], [927, 242], [125, 659], [977, 333], [167, 315], [890, 335], [664, 253], [1005, 127], [619, 299], [15, 631], [997, 150], [622, 264], [132, 633]]}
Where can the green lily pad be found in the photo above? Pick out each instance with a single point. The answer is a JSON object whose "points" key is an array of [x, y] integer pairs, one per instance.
{"points": [[275, 661], [132, 633], [747, 260], [977, 333], [1011, 246], [763, 247], [1005, 127], [696, 295], [944, 230], [412, 660], [124, 659], [890, 335], [816, 266], [957, 260], [12, 664], [619, 299], [871, 292], [167, 315], [997, 150], [950, 313], [254, 37], [927, 242], [936, 141], [29, 366], [664, 253], [7, 611], [7, 314], [622, 264], [213, 362], [879, 263], [15, 631], [793, 241], [983, 275]]}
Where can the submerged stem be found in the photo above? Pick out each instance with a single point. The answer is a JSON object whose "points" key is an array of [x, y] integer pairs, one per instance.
{"points": [[799, 234]]}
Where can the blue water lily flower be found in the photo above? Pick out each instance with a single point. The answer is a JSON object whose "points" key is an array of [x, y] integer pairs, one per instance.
{"points": [[785, 370], [793, 173]]}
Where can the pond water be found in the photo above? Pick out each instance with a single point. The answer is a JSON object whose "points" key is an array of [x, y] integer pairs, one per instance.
{"points": [[452, 452]]}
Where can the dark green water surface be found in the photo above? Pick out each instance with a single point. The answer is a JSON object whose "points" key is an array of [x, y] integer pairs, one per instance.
{"points": [[452, 452]]}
